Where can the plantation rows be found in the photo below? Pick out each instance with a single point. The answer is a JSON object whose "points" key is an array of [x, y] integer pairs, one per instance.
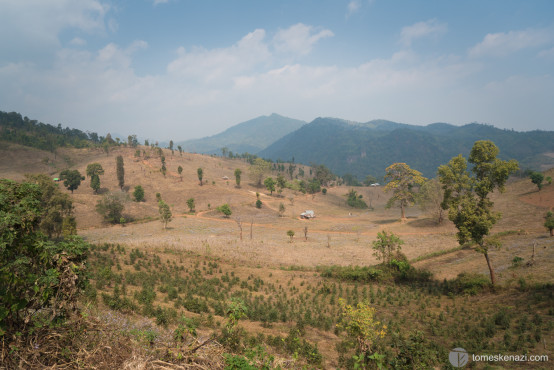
{"points": [[424, 318]]}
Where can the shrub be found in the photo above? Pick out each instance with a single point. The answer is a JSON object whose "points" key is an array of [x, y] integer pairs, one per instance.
{"points": [[138, 194], [258, 204], [467, 283], [35, 274], [225, 209], [111, 206]]}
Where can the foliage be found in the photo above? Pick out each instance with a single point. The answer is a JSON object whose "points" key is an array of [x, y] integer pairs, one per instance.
{"points": [[466, 196], [120, 170], [94, 170], [402, 182], [71, 179], [165, 213], [430, 199], [354, 200], [238, 172], [57, 208], [386, 245], [258, 170], [322, 174], [163, 169], [549, 222], [467, 283], [35, 273], [361, 325], [281, 209], [270, 184], [22, 130], [190, 204], [200, 173], [369, 179], [138, 194], [537, 178], [290, 233], [225, 209], [258, 204], [281, 183], [180, 169], [111, 207], [314, 186]]}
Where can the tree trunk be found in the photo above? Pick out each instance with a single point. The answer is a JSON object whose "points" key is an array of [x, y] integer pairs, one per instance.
{"points": [[551, 232], [491, 270]]}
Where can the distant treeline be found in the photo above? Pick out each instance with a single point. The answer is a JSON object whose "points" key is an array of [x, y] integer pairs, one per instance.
{"points": [[21, 130]]}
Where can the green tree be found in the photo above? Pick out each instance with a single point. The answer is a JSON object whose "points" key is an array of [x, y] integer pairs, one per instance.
{"points": [[466, 196], [537, 178], [402, 182], [71, 179], [258, 170], [38, 277], [354, 200], [281, 183], [120, 170], [322, 174], [361, 325], [385, 246], [370, 180], [94, 170], [549, 222], [270, 184], [238, 172], [313, 186], [180, 171], [180, 148], [164, 168], [138, 194], [200, 173], [225, 209], [56, 207], [290, 233], [430, 199], [165, 213], [190, 204], [258, 204], [111, 207]]}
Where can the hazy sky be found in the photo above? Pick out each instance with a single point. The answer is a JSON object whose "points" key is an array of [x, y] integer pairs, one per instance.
{"points": [[180, 69]]}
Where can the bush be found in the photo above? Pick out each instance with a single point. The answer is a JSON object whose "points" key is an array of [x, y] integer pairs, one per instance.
{"points": [[138, 194], [225, 209], [467, 283], [258, 204], [36, 274], [111, 206]]}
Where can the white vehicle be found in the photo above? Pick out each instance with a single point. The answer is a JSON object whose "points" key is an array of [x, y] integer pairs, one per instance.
{"points": [[375, 184], [307, 214]]}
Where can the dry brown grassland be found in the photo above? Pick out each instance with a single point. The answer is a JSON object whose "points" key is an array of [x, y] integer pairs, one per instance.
{"points": [[290, 272]]}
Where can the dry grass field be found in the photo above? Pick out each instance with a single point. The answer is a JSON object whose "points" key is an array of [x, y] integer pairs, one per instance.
{"points": [[338, 236]]}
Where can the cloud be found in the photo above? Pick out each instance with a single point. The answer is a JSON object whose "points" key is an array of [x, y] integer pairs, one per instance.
{"points": [[421, 29], [353, 6], [38, 24], [77, 41], [299, 39], [157, 2], [505, 43], [204, 65]]}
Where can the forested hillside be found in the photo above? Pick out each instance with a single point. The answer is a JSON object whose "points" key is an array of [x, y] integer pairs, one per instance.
{"points": [[21, 130], [368, 148]]}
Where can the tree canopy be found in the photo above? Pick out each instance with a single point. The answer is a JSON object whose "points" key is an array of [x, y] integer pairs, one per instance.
{"points": [[71, 179], [466, 194], [402, 183]]}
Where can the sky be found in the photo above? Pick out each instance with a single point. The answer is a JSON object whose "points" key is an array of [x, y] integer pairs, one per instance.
{"points": [[183, 69]]}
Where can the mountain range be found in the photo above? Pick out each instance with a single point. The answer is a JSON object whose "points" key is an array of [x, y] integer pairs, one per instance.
{"points": [[251, 136], [368, 148]]}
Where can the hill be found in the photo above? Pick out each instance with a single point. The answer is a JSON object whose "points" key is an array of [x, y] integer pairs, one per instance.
{"points": [[250, 136], [368, 148]]}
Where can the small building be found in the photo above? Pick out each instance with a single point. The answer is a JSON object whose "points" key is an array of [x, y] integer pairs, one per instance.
{"points": [[307, 214]]}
